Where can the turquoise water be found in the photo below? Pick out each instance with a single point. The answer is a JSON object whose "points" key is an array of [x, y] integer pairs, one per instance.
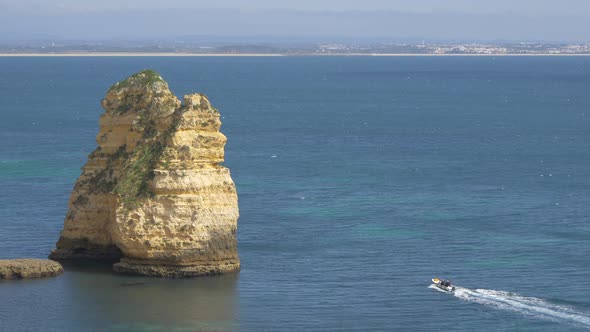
{"points": [[359, 180]]}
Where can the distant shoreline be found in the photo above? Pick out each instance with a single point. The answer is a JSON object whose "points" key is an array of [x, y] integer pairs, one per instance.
{"points": [[131, 54]]}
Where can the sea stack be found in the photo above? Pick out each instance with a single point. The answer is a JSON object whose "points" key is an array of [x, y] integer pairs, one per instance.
{"points": [[153, 196]]}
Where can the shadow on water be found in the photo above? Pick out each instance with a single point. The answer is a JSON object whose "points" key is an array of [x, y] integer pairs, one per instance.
{"points": [[92, 267], [105, 300]]}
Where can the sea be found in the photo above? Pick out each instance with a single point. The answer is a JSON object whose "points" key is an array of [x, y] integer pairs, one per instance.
{"points": [[359, 180]]}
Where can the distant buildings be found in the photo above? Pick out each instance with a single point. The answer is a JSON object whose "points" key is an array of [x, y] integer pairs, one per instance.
{"points": [[187, 47]]}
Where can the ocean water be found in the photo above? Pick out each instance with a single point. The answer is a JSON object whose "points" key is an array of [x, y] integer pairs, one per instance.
{"points": [[359, 180]]}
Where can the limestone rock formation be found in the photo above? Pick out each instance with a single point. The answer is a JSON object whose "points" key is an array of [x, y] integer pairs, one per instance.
{"points": [[153, 194], [29, 268]]}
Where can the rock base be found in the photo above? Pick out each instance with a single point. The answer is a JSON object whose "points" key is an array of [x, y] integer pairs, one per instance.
{"points": [[149, 268], [29, 268], [92, 253]]}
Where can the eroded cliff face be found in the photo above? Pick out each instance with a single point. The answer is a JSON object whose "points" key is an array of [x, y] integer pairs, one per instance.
{"points": [[153, 195]]}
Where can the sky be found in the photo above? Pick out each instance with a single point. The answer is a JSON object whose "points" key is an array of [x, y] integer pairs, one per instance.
{"points": [[313, 20]]}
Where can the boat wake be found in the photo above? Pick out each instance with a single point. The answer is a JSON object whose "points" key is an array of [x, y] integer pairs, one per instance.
{"points": [[530, 306]]}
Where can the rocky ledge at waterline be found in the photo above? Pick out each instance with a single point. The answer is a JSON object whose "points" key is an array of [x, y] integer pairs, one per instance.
{"points": [[153, 196], [29, 268]]}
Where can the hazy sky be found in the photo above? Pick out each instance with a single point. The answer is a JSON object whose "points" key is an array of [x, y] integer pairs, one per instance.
{"points": [[553, 20]]}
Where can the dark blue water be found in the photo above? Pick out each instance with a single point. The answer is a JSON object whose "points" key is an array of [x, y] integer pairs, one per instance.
{"points": [[359, 180]]}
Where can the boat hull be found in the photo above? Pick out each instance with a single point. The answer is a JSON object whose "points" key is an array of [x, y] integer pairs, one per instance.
{"points": [[438, 284]]}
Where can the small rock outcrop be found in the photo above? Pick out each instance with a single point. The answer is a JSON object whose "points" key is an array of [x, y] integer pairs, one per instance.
{"points": [[153, 195], [29, 268]]}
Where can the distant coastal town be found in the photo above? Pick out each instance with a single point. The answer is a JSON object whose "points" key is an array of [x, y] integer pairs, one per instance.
{"points": [[451, 49], [180, 47]]}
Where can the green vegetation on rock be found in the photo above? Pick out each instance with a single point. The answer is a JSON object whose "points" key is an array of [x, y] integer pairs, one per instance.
{"points": [[104, 181], [137, 173], [146, 77], [138, 170], [152, 108]]}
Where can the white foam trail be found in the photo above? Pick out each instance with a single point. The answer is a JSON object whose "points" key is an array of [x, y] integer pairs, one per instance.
{"points": [[437, 289], [531, 306]]}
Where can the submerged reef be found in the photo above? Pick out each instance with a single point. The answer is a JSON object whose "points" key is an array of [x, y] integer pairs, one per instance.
{"points": [[153, 197]]}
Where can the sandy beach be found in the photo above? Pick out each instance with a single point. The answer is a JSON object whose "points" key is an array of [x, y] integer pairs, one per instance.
{"points": [[125, 54]]}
